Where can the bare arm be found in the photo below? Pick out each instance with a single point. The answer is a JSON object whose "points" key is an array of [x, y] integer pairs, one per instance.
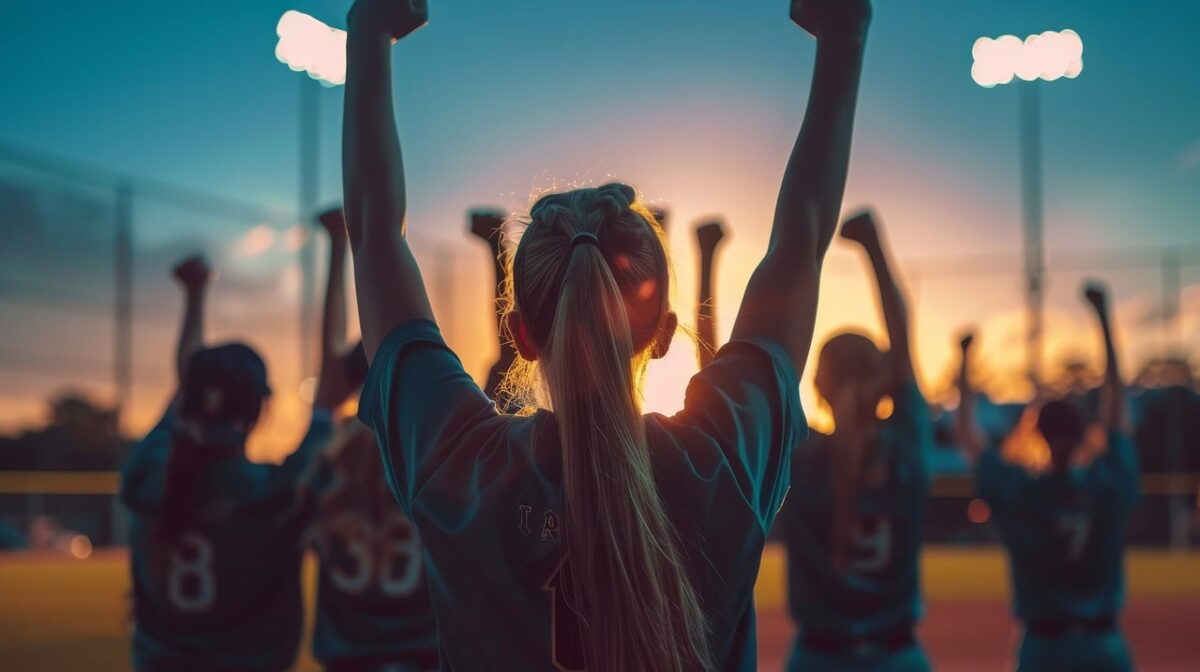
{"points": [[966, 426], [864, 230], [387, 279], [331, 388], [1113, 412], [193, 274], [781, 298], [709, 236]]}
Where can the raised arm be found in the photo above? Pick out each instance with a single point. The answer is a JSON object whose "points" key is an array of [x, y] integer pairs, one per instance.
{"points": [[864, 230], [387, 279], [193, 274], [709, 237], [1113, 407], [487, 225], [331, 387], [966, 427], [781, 298]]}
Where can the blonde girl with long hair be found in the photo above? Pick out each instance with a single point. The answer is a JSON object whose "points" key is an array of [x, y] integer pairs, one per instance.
{"points": [[581, 533]]}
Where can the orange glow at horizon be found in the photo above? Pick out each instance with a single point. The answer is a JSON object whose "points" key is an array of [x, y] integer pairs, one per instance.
{"points": [[725, 158]]}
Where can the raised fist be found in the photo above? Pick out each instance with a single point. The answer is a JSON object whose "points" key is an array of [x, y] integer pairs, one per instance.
{"points": [[396, 18], [966, 341], [334, 221], [486, 224], [825, 18], [1096, 293], [860, 228], [660, 215], [709, 235], [193, 272]]}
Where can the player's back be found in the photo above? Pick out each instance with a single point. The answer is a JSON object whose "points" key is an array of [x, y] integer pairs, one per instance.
{"points": [[485, 491], [372, 599], [879, 591], [1065, 533], [225, 592]]}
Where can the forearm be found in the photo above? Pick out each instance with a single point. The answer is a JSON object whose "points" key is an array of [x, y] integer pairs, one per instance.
{"points": [[1112, 394], [894, 307], [966, 427], [333, 317], [816, 173], [191, 333], [372, 167], [706, 331]]}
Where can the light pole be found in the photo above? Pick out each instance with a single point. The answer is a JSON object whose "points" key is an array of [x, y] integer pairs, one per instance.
{"points": [[308, 45], [1047, 56]]}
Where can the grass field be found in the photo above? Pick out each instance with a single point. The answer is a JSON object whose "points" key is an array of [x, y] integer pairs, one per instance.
{"points": [[60, 614]]}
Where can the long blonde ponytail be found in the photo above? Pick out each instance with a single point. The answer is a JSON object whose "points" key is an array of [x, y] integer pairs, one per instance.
{"points": [[628, 582]]}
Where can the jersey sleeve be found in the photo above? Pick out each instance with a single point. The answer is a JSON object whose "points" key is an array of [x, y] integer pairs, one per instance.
{"points": [[746, 404], [146, 458], [420, 402], [996, 479]]}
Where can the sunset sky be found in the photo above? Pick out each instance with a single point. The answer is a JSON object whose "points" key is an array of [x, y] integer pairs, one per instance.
{"points": [[695, 103]]}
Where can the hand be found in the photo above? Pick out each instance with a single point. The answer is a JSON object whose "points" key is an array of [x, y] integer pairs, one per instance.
{"points": [[193, 272], [1095, 293], [486, 224], [334, 221], [861, 229], [709, 235], [832, 18], [396, 18], [660, 216], [966, 341]]}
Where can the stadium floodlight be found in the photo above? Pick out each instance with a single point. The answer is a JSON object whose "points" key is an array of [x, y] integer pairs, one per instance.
{"points": [[306, 44], [1048, 56]]}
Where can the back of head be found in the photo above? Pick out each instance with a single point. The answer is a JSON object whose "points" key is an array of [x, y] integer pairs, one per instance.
{"points": [[847, 358], [220, 399], [1063, 426], [589, 286]]}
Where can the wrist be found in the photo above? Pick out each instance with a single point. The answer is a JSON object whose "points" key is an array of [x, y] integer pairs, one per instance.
{"points": [[849, 43], [367, 39]]}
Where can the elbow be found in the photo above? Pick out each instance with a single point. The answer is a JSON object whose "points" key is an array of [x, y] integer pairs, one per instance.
{"points": [[373, 220]]}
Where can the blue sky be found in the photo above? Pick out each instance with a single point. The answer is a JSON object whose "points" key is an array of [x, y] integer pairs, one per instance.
{"points": [[696, 102]]}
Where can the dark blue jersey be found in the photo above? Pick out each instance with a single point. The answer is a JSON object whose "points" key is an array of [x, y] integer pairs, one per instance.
{"points": [[1065, 532], [372, 601], [226, 594], [879, 590], [484, 490]]}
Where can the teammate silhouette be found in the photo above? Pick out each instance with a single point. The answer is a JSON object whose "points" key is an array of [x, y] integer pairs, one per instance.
{"points": [[1064, 527], [854, 518]]}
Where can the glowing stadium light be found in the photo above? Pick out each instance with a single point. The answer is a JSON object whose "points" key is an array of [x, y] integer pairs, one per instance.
{"points": [[1048, 56], [255, 242], [308, 45], [80, 547]]}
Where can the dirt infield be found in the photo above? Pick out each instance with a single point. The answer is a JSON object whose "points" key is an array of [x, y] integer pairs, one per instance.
{"points": [[62, 614], [980, 636]]}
